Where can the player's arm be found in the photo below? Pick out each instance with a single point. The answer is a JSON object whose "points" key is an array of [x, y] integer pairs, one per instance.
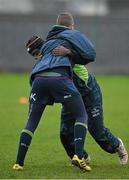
{"points": [[63, 51]]}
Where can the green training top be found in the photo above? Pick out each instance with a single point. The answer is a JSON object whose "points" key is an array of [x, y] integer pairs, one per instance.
{"points": [[81, 71]]}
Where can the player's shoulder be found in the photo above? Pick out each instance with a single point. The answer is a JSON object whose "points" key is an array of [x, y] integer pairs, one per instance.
{"points": [[71, 33]]}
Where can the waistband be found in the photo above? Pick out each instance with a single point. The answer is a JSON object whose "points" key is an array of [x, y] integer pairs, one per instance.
{"points": [[52, 77], [58, 71], [48, 73]]}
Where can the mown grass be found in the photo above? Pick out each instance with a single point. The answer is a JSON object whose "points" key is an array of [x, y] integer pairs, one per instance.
{"points": [[46, 158]]}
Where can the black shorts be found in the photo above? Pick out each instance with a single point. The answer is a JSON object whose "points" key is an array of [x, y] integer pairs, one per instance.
{"points": [[47, 90]]}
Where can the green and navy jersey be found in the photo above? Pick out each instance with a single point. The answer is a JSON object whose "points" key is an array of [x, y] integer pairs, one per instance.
{"points": [[81, 71]]}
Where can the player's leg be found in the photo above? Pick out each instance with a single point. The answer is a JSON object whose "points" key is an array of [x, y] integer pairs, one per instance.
{"points": [[35, 112], [93, 104], [27, 133], [67, 133], [99, 132], [64, 91], [76, 107]]}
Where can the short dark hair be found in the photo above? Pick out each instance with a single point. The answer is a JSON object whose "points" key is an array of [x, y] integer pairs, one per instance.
{"points": [[33, 44], [65, 19]]}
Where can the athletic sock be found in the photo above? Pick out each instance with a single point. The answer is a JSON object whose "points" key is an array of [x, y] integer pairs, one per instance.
{"points": [[25, 140], [80, 130]]}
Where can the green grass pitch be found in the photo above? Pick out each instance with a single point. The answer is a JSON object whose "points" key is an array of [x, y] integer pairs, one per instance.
{"points": [[46, 158]]}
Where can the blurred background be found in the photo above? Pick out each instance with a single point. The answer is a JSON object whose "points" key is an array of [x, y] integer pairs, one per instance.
{"points": [[105, 22]]}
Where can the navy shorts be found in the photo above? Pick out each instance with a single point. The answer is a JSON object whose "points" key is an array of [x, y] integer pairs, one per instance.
{"points": [[47, 90]]}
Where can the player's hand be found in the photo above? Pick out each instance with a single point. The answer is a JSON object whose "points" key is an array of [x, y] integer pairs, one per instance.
{"points": [[61, 51]]}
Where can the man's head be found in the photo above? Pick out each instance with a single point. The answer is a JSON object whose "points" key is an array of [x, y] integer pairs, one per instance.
{"points": [[34, 45], [65, 19]]}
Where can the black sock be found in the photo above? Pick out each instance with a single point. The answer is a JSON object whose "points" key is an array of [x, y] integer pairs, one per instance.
{"points": [[79, 138], [25, 140], [85, 154]]}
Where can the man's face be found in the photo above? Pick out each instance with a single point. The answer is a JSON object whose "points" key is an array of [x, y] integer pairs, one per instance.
{"points": [[37, 56]]}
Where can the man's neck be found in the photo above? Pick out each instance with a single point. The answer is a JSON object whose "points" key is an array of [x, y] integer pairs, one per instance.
{"points": [[57, 25]]}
